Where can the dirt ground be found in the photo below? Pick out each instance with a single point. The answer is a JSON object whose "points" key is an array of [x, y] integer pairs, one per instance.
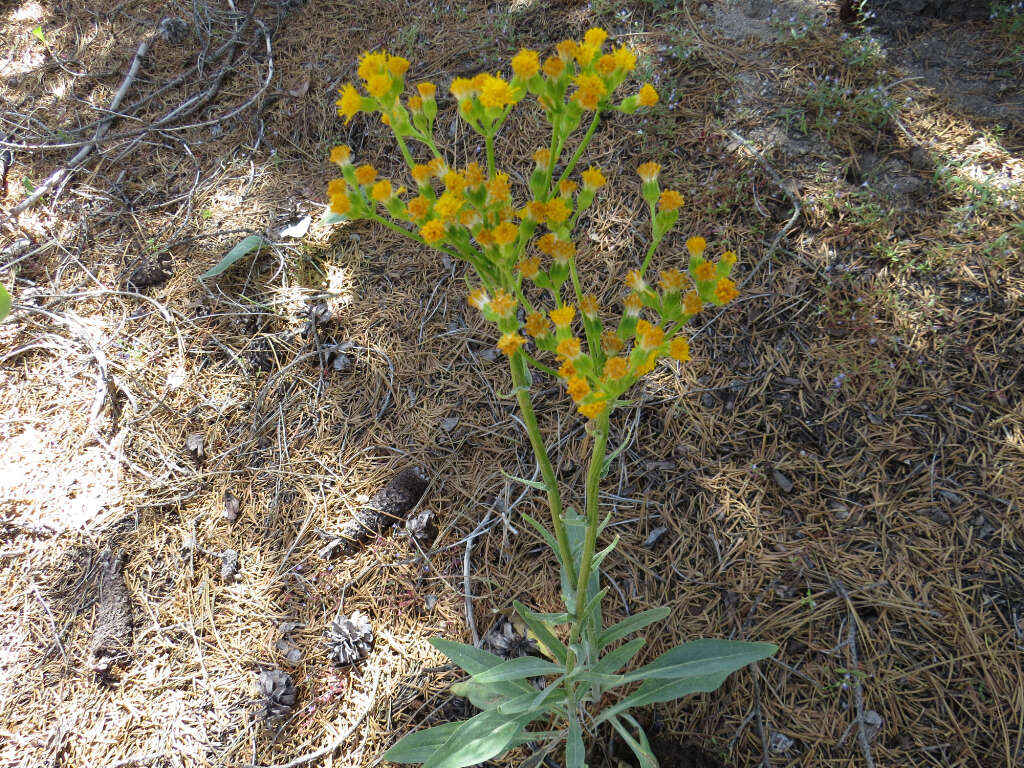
{"points": [[839, 470]]}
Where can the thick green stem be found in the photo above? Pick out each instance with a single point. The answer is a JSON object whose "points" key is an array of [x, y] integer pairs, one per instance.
{"points": [[522, 387], [590, 538], [583, 145], [405, 151], [489, 141]]}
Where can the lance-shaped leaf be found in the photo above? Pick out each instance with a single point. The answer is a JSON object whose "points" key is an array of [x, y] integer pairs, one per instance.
{"points": [[419, 746], [631, 624], [518, 669]]}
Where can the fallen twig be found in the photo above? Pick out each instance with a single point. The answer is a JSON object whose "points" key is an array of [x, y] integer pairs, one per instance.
{"points": [[858, 691]]}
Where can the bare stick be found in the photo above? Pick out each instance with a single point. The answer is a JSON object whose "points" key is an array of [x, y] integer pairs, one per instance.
{"points": [[858, 691], [467, 589], [61, 174]]}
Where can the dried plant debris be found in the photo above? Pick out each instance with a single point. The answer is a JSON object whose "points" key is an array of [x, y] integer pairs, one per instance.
{"points": [[229, 565], [230, 512], [279, 694], [112, 637], [196, 445], [654, 537], [387, 508], [423, 527], [505, 640], [153, 269], [350, 639]]}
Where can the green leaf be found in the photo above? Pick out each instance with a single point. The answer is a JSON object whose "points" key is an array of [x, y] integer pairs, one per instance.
{"points": [[419, 746], [641, 748], [593, 607], [540, 486], [544, 634], [480, 738], [702, 658], [615, 660], [575, 753], [600, 556], [486, 695], [244, 247], [546, 535], [26, 182], [330, 217], [475, 661], [631, 624], [5, 302], [39, 34], [519, 669]]}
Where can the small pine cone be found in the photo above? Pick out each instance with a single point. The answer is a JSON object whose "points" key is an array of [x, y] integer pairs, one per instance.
{"points": [[503, 640], [278, 693], [350, 639]]}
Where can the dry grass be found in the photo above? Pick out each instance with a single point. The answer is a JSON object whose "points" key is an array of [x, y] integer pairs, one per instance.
{"points": [[874, 360]]}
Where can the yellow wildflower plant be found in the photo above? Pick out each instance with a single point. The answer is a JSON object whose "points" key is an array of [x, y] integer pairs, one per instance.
{"points": [[530, 280]]}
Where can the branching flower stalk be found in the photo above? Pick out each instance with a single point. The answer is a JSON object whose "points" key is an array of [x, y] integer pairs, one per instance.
{"points": [[531, 289]]}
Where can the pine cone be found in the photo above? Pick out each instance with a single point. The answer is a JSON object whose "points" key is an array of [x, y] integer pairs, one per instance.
{"points": [[503, 640], [350, 639], [278, 693]]}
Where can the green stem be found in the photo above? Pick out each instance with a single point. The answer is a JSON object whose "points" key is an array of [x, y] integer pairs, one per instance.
{"points": [[583, 145], [590, 539], [647, 258], [405, 151], [489, 141], [520, 379]]}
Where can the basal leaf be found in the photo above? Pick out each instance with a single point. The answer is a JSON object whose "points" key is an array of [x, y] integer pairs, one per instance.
{"points": [[631, 624], [244, 247], [518, 669], [575, 753], [615, 660], [702, 658], [543, 633], [419, 746], [480, 738], [5, 302]]}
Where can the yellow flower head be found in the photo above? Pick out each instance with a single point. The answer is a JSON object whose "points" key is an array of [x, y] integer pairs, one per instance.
{"points": [[635, 282], [542, 157], [438, 167], [536, 211], [595, 36], [526, 63], [498, 188], [696, 245], [569, 348], [503, 305], [606, 65], [470, 218], [546, 243], [386, 119], [593, 178], [624, 59], [378, 85], [340, 204], [372, 64], [585, 54], [432, 232], [566, 187], [422, 174], [485, 238], [649, 171], [496, 93], [729, 258], [670, 200], [589, 90], [474, 175], [556, 210], [578, 388], [537, 324], [478, 298], [342, 155], [593, 409], [671, 281], [562, 316], [652, 336], [554, 67], [646, 367], [505, 233], [692, 304], [611, 343], [679, 349], [397, 66], [350, 102], [725, 290], [415, 104], [589, 305], [418, 207], [633, 304], [382, 191], [426, 90], [705, 272], [448, 205], [462, 88], [567, 369], [563, 250], [366, 174], [615, 368], [336, 187], [454, 182], [510, 342], [647, 97], [566, 49], [529, 268]]}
